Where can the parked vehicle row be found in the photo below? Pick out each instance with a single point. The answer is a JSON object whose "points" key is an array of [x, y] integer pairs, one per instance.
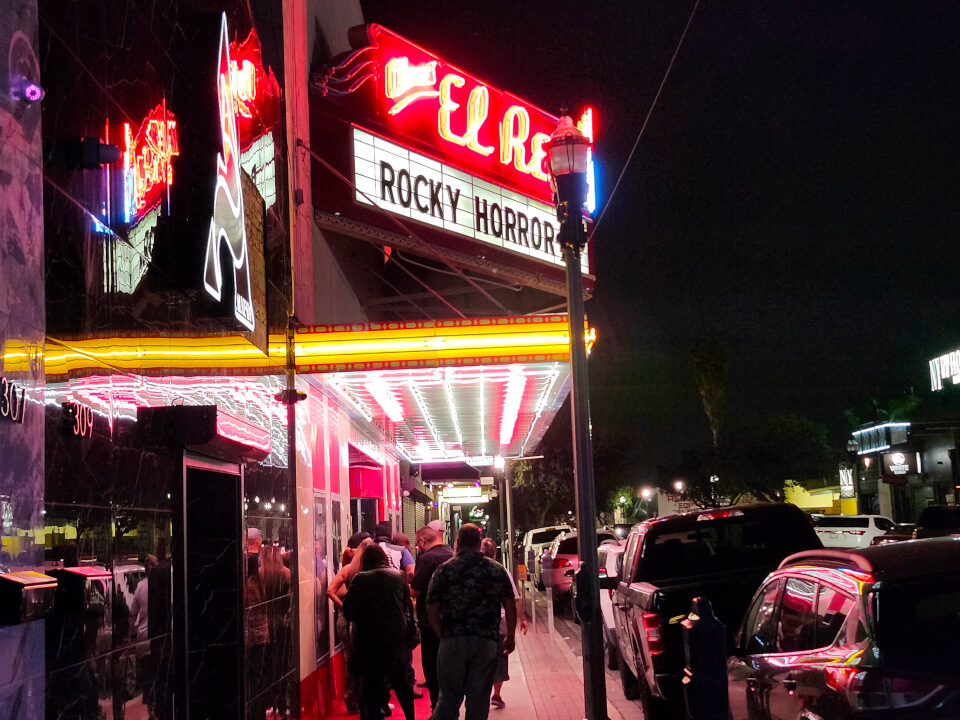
{"points": [[871, 632], [723, 555], [866, 632]]}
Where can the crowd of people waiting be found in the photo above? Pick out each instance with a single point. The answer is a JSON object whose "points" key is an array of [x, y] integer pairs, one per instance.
{"points": [[458, 604]]}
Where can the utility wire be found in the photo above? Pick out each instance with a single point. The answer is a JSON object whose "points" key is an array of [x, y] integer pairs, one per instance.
{"points": [[427, 246], [645, 121]]}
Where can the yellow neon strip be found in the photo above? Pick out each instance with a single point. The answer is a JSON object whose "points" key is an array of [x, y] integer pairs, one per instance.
{"points": [[329, 348]]}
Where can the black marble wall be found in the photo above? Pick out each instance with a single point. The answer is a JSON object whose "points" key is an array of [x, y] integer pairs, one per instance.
{"points": [[21, 350]]}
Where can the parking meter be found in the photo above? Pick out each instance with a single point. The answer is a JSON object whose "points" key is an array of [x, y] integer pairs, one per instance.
{"points": [[546, 568], [705, 674]]}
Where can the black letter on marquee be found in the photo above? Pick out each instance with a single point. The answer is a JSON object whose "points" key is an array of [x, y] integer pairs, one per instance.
{"points": [[536, 233], [496, 220], [453, 202], [403, 177], [522, 224], [511, 224], [416, 193], [548, 238], [478, 214], [436, 204], [386, 184]]}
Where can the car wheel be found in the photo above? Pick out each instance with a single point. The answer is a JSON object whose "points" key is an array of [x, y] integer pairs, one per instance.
{"points": [[540, 586], [628, 681], [613, 657], [656, 709]]}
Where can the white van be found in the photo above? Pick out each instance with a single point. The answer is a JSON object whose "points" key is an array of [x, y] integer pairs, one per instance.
{"points": [[537, 539]]}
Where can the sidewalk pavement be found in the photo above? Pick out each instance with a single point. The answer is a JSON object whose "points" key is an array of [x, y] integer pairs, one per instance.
{"points": [[546, 682]]}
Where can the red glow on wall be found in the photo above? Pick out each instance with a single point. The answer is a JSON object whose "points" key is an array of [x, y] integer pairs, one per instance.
{"points": [[256, 92]]}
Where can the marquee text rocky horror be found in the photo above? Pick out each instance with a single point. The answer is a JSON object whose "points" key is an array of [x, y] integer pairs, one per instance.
{"points": [[427, 196]]}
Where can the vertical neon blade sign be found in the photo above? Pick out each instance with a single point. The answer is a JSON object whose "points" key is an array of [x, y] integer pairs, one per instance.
{"points": [[227, 225], [586, 127]]}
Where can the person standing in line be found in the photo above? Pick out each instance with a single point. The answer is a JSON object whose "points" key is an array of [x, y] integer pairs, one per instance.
{"points": [[463, 606], [379, 606], [489, 548], [254, 543], [276, 586], [397, 555], [338, 588], [432, 554]]}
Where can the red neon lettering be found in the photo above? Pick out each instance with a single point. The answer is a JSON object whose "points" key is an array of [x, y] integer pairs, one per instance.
{"points": [[147, 157], [477, 107], [514, 129], [243, 79]]}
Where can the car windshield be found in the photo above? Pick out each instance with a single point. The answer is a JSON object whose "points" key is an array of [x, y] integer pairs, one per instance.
{"points": [[723, 545], [544, 536], [828, 521], [918, 625]]}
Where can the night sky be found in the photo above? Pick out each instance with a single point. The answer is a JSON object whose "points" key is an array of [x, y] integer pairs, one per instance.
{"points": [[796, 195]]}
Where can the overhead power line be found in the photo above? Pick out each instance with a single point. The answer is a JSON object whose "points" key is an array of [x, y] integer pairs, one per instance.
{"points": [[645, 121]]}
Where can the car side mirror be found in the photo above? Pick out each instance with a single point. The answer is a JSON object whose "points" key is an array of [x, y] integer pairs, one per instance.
{"points": [[608, 583]]}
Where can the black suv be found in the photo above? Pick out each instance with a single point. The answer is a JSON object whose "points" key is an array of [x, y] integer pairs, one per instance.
{"points": [[868, 633], [937, 521]]}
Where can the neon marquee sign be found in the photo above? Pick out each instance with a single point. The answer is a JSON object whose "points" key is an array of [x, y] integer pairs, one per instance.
{"points": [[419, 96], [146, 160]]}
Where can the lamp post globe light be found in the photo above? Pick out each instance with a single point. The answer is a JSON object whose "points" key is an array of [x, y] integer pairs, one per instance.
{"points": [[566, 162]]}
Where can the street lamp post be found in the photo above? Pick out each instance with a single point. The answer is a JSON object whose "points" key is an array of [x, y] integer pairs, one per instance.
{"points": [[567, 164]]}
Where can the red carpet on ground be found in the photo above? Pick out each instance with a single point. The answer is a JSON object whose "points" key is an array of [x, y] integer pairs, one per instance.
{"points": [[421, 706]]}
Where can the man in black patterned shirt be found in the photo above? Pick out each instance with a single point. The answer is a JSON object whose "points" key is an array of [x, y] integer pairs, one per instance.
{"points": [[463, 606]]}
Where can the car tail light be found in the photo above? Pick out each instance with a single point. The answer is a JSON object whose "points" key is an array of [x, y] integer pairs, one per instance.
{"points": [[561, 563], [654, 632], [876, 690]]}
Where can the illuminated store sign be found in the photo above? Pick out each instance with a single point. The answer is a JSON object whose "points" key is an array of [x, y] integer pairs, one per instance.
{"points": [[901, 463], [228, 226], [418, 187], [945, 367], [419, 96]]}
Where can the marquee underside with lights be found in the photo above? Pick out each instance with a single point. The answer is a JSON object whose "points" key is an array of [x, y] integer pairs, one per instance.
{"points": [[445, 390]]}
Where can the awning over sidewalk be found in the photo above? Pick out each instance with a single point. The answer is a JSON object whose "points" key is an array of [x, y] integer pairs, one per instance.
{"points": [[319, 349], [466, 389]]}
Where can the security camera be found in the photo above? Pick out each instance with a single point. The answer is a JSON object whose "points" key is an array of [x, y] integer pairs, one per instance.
{"points": [[26, 90]]}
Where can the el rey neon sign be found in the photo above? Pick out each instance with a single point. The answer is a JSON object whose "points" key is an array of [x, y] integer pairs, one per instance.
{"points": [[419, 96]]}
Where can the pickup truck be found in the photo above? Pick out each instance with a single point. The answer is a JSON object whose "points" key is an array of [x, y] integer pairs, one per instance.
{"points": [[721, 554]]}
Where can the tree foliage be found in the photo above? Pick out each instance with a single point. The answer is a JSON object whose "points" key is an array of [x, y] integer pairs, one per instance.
{"points": [[757, 461], [710, 367], [544, 489]]}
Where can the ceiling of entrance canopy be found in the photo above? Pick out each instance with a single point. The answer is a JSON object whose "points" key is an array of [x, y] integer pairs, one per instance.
{"points": [[459, 413]]}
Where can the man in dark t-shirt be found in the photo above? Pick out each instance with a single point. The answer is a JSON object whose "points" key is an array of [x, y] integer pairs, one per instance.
{"points": [[433, 554], [463, 607]]}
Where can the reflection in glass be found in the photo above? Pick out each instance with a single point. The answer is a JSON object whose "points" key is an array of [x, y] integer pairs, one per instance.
{"points": [[320, 555]]}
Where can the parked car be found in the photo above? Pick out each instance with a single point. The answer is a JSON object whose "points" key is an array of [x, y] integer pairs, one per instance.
{"points": [[609, 563], [938, 521], [722, 555], [565, 551], [899, 533], [536, 540], [870, 632], [851, 531]]}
